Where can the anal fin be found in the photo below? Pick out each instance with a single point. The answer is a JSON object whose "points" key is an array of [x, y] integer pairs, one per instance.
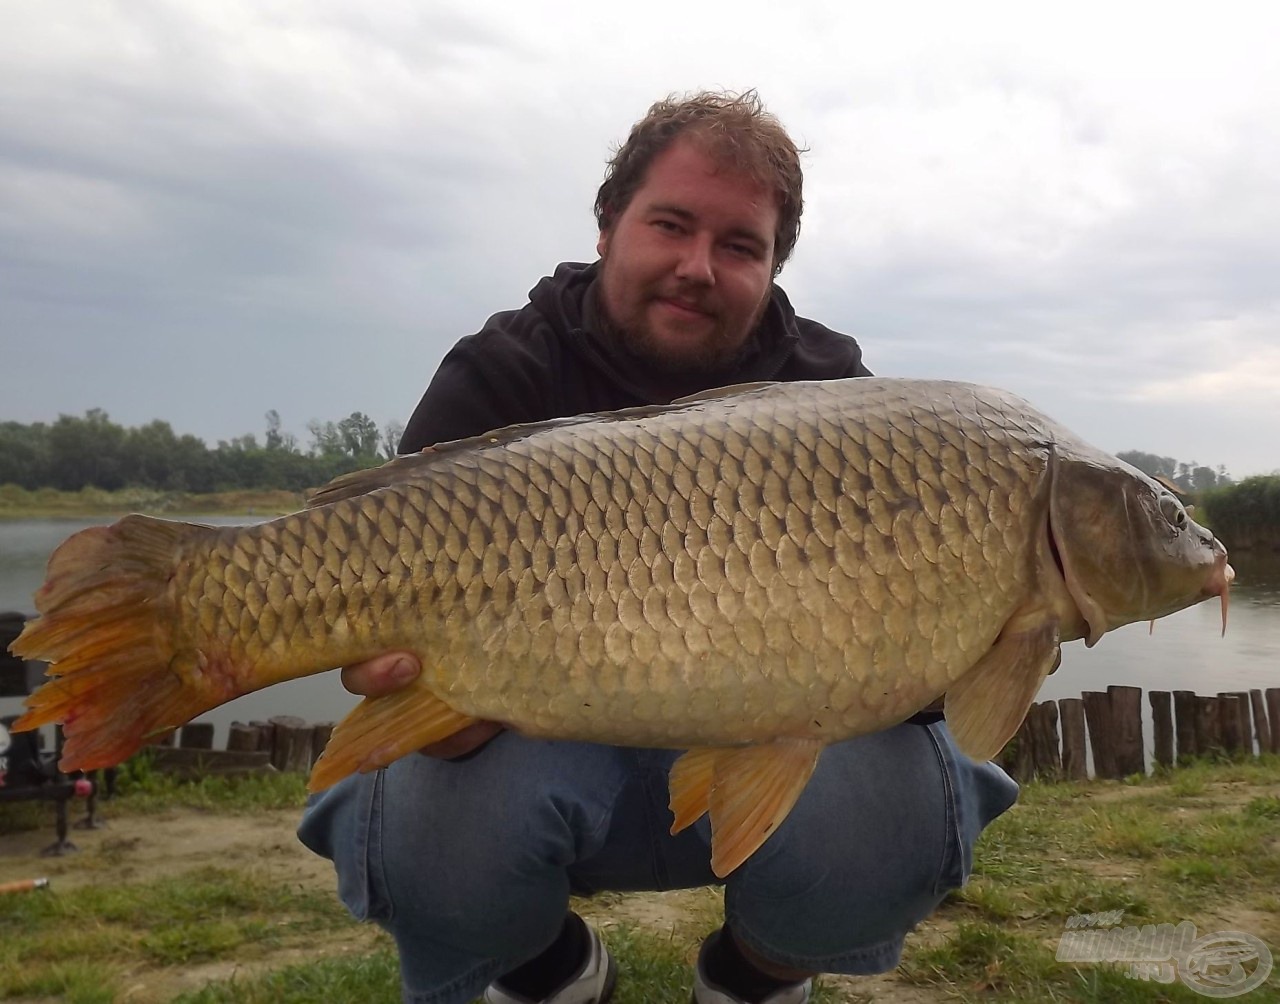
{"points": [[382, 729], [748, 790], [985, 706]]}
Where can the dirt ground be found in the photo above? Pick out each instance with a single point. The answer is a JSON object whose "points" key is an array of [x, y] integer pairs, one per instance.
{"points": [[144, 847]]}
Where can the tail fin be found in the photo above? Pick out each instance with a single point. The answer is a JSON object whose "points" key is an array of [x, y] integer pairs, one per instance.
{"points": [[382, 729], [106, 627]]}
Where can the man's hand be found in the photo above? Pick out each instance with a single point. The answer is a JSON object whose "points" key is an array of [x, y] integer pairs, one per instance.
{"points": [[385, 674]]}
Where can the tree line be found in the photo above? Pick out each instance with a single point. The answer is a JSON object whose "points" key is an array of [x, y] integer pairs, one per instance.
{"points": [[1191, 478], [91, 451], [1245, 515]]}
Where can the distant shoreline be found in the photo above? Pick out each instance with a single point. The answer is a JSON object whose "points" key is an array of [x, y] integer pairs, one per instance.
{"points": [[49, 503]]}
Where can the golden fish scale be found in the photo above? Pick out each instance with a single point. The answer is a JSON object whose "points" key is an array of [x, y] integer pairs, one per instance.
{"points": [[802, 567]]}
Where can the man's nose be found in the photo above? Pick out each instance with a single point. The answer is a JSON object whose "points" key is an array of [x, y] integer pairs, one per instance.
{"points": [[695, 261]]}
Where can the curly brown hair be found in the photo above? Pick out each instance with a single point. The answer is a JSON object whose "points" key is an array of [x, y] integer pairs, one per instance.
{"points": [[735, 131]]}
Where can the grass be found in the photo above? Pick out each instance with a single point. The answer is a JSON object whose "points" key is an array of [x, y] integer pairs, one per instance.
{"points": [[652, 969], [79, 944], [41, 503], [370, 979], [1200, 843], [143, 789]]}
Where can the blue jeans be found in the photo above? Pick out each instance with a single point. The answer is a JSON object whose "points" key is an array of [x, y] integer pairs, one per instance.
{"points": [[470, 864]]}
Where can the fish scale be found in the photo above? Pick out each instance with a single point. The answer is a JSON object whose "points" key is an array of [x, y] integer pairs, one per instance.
{"points": [[772, 568]]}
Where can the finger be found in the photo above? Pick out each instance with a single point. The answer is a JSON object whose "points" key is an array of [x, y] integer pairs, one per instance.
{"points": [[381, 675]]}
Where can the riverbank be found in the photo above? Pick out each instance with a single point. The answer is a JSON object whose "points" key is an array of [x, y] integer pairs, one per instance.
{"points": [[200, 893], [49, 503]]}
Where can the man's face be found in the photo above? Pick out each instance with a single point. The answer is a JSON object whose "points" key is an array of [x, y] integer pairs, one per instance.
{"points": [[687, 265]]}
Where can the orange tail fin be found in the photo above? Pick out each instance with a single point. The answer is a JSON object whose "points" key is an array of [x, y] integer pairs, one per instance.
{"points": [[106, 627]]}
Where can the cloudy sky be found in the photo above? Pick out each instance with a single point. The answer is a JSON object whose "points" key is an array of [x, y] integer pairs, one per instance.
{"points": [[212, 208]]}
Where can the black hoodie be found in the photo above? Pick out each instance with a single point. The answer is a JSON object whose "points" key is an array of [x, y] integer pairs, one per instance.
{"points": [[551, 359]]}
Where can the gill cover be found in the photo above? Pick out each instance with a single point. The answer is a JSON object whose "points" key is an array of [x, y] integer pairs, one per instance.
{"points": [[1127, 547]]}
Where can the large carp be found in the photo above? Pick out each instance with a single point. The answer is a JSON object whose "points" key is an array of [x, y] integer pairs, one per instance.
{"points": [[750, 574]]}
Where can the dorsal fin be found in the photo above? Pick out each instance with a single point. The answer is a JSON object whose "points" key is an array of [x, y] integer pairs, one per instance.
{"points": [[418, 466], [732, 390]]}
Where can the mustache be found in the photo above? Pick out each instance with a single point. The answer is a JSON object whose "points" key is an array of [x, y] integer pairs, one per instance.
{"points": [[689, 296]]}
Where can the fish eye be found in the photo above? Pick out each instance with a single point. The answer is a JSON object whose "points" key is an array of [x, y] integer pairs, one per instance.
{"points": [[1171, 509]]}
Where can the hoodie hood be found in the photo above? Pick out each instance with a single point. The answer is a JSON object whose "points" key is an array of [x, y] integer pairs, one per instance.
{"points": [[568, 300]]}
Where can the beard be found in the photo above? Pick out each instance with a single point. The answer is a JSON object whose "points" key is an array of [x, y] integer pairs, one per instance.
{"points": [[710, 354]]}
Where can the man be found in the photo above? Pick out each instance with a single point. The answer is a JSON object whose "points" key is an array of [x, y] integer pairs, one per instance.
{"points": [[468, 855]]}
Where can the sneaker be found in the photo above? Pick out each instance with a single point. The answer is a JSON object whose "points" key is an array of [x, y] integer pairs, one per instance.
{"points": [[706, 992], [591, 984]]}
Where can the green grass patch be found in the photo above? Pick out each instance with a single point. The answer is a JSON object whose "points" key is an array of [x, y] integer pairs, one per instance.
{"points": [[1201, 845], [143, 789], [368, 979], [1194, 844], [56, 938], [652, 969], [983, 961], [17, 502]]}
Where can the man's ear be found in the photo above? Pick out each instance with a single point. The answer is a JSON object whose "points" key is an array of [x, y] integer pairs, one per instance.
{"points": [[602, 243]]}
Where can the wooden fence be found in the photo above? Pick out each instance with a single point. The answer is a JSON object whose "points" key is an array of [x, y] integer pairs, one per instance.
{"points": [[1051, 742], [284, 742]]}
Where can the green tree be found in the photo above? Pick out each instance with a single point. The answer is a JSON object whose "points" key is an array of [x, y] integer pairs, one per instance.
{"points": [[1151, 464], [151, 455], [24, 454], [391, 435], [275, 440], [86, 451], [360, 435]]}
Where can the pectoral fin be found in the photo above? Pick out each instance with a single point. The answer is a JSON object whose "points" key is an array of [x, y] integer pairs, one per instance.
{"points": [[748, 791], [986, 706], [383, 729]]}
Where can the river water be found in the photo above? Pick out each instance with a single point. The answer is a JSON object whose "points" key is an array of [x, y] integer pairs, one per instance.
{"points": [[1185, 652]]}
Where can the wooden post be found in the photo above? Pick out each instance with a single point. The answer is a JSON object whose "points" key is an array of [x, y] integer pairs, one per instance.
{"points": [[1162, 726], [1126, 720], [1071, 710], [1184, 708], [1208, 740], [1246, 722], [1273, 712], [1229, 724], [1017, 756], [1036, 742], [1051, 745], [320, 733], [266, 734], [1260, 726], [291, 744], [1097, 712], [196, 736], [242, 738]]}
